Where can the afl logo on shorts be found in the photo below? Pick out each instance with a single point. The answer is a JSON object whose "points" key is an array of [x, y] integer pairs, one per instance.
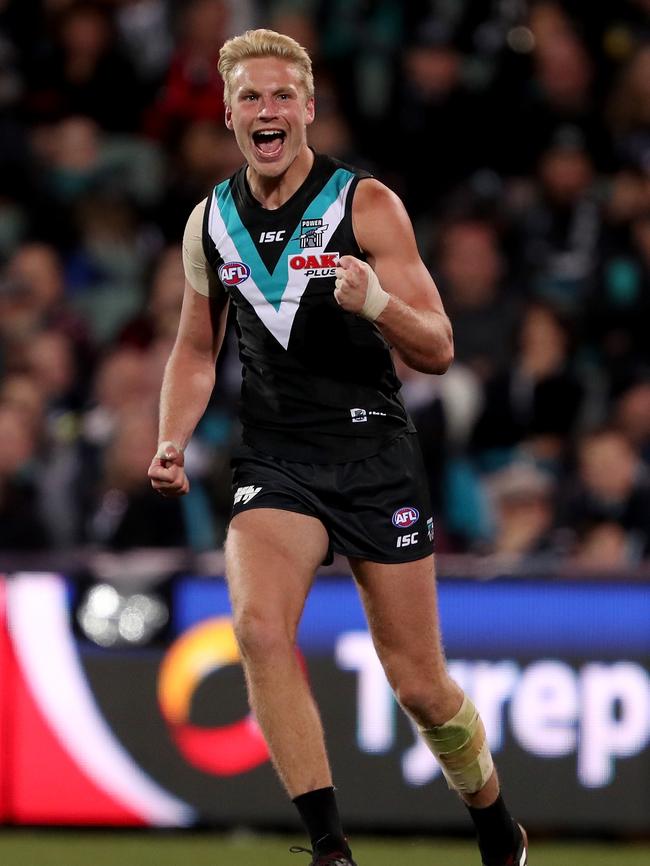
{"points": [[405, 517], [234, 273]]}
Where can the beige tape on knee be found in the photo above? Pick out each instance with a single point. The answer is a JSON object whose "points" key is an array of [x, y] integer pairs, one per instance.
{"points": [[461, 749]]}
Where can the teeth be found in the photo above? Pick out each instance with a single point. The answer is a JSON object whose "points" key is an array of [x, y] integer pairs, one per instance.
{"points": [[269, 132]]}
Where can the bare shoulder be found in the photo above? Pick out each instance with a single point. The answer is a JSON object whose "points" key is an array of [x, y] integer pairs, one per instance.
{"points": [[371, 195], [379, 216]]}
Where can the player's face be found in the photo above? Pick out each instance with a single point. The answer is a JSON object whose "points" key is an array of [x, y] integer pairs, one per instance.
{"points": [[269, 113]]}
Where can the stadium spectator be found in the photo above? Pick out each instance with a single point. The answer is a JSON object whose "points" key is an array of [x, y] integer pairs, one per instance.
{"points": [[21, 524], [601, 545], [470, 272], [159, 319], [618, 306], [80, 71], [438, 115], [360, 46], [107, 266], [77, 157], [330, 133], [121, 382], [205, 150], [629, 110], [126, 513], [125, 387], [563, 75], [36, 269], [536, 401], [522, 499], [192, 90], [22, 392], [146, 35], [610, 485], [560, 226], [633, 418], [296, 21], [49, 357]]}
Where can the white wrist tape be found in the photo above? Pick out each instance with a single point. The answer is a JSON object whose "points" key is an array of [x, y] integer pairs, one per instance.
{"points": [[376, 298]]}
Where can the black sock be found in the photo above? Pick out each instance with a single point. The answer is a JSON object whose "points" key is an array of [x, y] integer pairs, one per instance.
{"points": [[497, 833], [320, 815]]}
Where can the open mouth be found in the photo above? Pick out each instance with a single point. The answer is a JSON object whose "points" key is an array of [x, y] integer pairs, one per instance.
{"points": [[269, 141]]}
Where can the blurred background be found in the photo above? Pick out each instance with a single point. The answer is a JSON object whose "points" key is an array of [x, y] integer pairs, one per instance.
{"points": [[518, 135]]}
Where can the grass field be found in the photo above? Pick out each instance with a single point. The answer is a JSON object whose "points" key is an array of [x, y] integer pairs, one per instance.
{"points": [[20, 848]]}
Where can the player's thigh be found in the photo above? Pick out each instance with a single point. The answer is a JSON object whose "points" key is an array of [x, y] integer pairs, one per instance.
{"points": [[401, 607], [271, 558]]}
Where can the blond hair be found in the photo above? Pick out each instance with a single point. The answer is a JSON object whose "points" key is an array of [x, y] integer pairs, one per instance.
{"points": [[263, 43]]}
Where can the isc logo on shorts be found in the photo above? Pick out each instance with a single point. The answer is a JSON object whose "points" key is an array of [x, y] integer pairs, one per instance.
{"points": [[322, 265], [233, 273], [405, 517]]}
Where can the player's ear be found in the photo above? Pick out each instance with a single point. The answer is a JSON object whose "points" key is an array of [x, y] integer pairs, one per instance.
{"points": [[228, 117], [310, 111]]}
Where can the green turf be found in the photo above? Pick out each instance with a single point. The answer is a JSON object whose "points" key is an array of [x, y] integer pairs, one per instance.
{"points": [[20, 848]]}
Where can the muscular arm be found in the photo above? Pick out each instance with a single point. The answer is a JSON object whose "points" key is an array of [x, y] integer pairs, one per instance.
{"points": [[189, 374], [413, 319], [187, 386]]}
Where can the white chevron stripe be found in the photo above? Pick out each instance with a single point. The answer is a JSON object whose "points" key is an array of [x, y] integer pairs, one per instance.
{"points": [[278, 322]]}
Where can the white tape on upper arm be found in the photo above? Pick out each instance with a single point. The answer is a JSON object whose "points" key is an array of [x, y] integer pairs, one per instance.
{"points": [[195, 264]]}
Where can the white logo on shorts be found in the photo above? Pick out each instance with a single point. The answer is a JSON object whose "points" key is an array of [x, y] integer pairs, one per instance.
{"points": [[407, 540], [245, 494]]}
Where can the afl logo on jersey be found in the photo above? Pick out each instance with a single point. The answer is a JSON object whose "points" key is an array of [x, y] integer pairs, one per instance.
{"points": [[234, 273], [405, 517]]}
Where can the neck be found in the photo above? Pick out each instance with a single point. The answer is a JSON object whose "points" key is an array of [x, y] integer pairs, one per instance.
{"points": [[272, 192]]}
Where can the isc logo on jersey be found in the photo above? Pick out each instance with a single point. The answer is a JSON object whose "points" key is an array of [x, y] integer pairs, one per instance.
{"points": [[321, 265], [234, 273], [405, 517]]}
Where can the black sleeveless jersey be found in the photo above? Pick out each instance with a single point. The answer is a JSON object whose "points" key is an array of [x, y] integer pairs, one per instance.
{"points": [[319, 384]]}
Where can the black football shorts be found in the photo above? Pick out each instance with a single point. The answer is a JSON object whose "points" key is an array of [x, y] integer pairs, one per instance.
{"points": [[376, 509]]}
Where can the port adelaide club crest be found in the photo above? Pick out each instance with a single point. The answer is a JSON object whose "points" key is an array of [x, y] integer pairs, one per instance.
{"points": [[313, 264], [311, 234]]}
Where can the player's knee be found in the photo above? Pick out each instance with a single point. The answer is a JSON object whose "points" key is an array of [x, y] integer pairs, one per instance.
{"points": [[260, 637], [424, 699]]}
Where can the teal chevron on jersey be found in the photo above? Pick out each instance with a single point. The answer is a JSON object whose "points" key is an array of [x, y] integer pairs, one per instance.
{"points": [[306, 362], [273, 285]]}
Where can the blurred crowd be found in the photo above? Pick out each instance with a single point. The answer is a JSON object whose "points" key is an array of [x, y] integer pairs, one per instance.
{"points": [[517, 133]]}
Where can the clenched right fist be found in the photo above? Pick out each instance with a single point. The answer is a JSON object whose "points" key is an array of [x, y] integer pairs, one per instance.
{"points": [[167, 472]]}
